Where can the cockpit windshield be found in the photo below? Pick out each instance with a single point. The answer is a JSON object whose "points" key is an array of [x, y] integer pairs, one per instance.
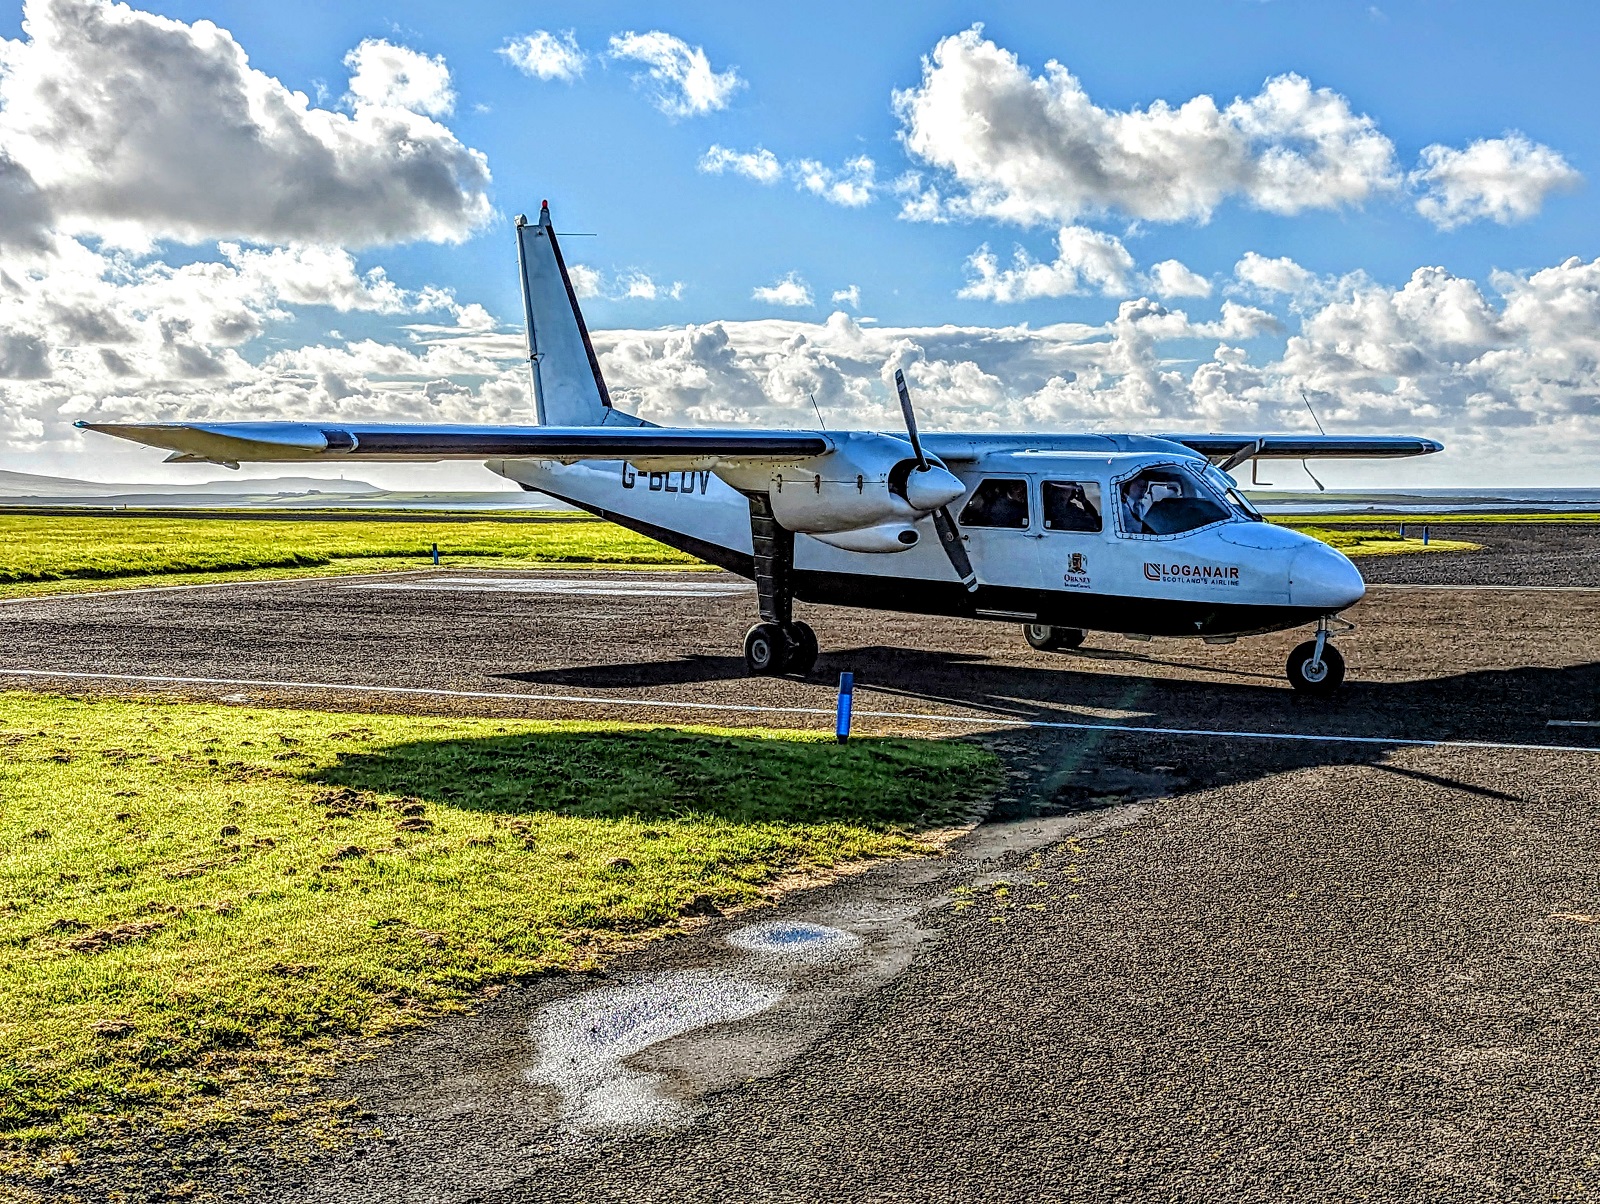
{"points": [[1236, 498], [1169, 500]]}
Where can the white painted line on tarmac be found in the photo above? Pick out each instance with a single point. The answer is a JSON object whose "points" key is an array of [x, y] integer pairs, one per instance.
{"points": [[117, 592], [747, 708], [541, 585], [1573, 723]]}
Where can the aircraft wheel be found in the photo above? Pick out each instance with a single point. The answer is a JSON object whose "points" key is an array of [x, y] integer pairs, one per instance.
{"points": [[766, 650], [802, 656], [1310, 678], [1051, 639]]}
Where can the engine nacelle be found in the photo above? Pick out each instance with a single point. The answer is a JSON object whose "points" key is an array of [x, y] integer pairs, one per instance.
{"points": [[867, 481], [886, 537]]}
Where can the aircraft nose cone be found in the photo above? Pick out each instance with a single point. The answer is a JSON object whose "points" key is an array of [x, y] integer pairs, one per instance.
{"points": [[1324, 579], [935, 487]]}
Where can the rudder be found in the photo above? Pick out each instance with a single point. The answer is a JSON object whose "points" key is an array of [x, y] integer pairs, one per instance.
{"points": [[568, 389]]}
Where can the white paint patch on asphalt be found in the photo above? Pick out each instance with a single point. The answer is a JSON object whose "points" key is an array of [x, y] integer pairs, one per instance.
{"points": [[583, 1041], [794, 940], [546, 585]]}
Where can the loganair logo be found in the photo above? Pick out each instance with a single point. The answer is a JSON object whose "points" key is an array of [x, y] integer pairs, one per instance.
{"points": [[1192, 574]]}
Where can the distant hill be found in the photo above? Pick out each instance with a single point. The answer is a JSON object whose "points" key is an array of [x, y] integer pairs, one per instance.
{"points": [[32, 485]]}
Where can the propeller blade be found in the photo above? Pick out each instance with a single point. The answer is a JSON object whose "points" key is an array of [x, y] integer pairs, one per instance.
{"points": [[949, 534], [911, 419], [950, 541]]}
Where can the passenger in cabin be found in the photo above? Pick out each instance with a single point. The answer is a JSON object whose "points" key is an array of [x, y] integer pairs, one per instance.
{"points": [[1168, 501], [1134, 505], [998, 502]]}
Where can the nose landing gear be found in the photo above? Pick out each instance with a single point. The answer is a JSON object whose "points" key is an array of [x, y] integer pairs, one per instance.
{"points": [[1316, 666]]}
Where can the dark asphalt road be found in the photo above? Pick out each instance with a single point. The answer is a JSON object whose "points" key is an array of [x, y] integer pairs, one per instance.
{"points": [[1203, 969]]}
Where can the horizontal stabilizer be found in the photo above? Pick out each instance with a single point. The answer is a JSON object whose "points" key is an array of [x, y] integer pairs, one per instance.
{"points": [[259, 442]]}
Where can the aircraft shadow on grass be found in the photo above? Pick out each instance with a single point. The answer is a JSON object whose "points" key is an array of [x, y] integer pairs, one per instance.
{"points": [[665, 775]]}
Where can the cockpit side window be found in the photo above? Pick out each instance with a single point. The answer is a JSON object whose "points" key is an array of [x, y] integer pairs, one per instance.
{"points": [[1071, 505], [997, 502], [1167, 501]]}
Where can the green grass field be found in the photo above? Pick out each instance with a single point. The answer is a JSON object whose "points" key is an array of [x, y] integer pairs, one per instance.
{"points": [[1379, 543], [45, 549], [199, 902], [1435, 520], [46, 554]]}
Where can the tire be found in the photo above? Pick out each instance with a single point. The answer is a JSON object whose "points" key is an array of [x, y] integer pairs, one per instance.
{"points": [[766, 651], [1301, 677], [1051, 639], [802, 656]]}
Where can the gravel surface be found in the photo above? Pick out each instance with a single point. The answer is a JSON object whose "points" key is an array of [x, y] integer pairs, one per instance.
{"points": [[1171, 968], [1513, 554]]}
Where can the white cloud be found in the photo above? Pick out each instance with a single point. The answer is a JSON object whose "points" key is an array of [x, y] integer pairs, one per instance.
{"points": [[850, 295], [1499, 179], [630, 285], [1085, 259], [790, 290], [760, 164], [640, 286], [1036, 149], [1512, 387], [1169, 278], [586, 281], [683, 82], [546, 55], [1281, 275], [853, 185], [136, 127], [395, 76]]}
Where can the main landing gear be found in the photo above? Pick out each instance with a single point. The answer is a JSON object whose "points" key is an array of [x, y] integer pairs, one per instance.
{"points": [[1051, 639], [1316, 667], [778, 644], [771, 649]]}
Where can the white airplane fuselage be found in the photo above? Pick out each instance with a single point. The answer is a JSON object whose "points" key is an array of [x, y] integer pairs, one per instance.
{"points": [[1236, 576]]}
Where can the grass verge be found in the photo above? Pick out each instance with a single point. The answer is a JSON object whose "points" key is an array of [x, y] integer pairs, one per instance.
{"points": [[199, 904], [1380, 543], [50, 549], [1434, 520]]}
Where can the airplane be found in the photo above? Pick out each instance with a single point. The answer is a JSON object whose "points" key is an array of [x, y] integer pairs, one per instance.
{"points": [[1132, 534]]}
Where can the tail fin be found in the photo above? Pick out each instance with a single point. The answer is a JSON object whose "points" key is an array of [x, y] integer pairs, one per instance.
{"points": [[568, 389]]}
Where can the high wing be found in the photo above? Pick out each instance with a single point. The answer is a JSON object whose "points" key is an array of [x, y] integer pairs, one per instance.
{"points": [[232, 443], [1229, 451]]}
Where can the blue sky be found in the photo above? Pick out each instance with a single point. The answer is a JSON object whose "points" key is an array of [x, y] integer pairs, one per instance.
{"points": [[817, 82]]}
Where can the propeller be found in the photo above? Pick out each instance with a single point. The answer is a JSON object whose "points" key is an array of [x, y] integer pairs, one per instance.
{"points": [[949, 535]]}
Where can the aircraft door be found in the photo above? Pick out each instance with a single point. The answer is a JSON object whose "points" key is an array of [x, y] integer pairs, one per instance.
{"points": [[1071, 515], [1002, 536]]}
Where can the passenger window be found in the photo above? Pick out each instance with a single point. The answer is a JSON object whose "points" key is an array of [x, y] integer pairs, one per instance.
{"points": [[997, 502], [1071, 505], [1167, 501]]}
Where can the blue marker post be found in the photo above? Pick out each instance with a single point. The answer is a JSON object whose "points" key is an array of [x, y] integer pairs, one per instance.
{"points": [[847, 692], [1424, 536], [435, 554]]}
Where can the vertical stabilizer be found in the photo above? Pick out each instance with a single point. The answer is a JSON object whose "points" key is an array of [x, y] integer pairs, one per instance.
{"points": [[568, 389]]}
